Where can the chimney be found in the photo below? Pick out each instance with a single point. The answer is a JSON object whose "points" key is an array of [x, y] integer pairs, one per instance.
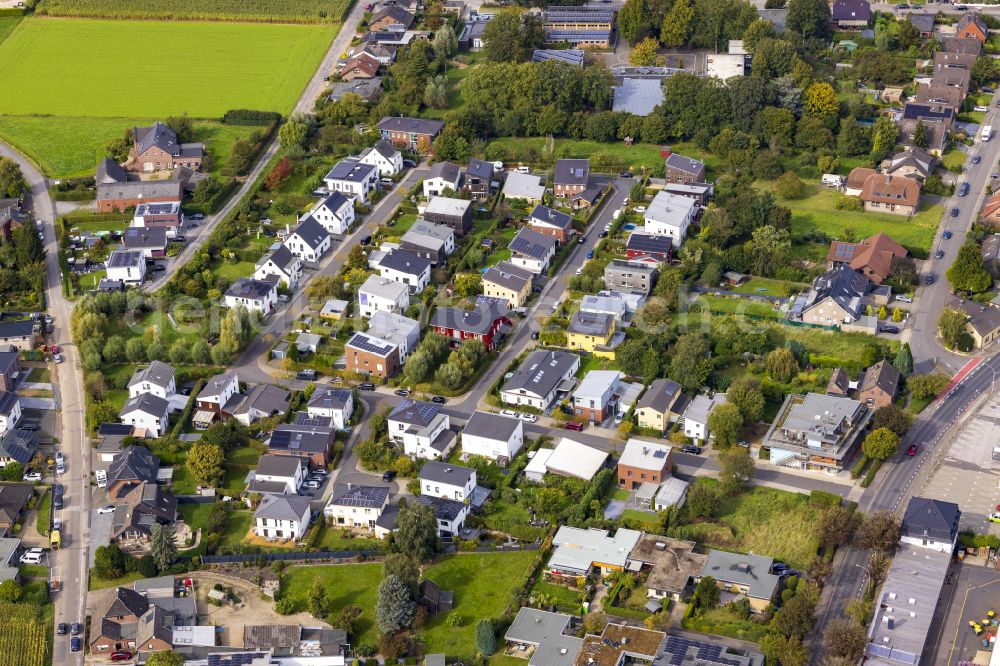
{"points": [[744, 567]]}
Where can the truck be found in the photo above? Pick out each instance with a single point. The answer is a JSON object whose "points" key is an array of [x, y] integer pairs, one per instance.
{"points": [[987, 132], [55, 540]]}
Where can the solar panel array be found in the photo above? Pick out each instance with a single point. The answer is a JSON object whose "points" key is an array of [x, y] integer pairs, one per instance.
{"points": [[370, 344], [678, 649], [235, 658], [415, 412]]}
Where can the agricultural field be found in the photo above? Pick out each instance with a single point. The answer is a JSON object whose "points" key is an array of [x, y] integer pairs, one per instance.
{"points": [[22, 636], [243, 65], [272, 11]]}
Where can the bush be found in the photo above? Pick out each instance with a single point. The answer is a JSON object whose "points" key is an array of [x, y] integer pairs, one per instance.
{"points": [[821, 499], [250, 117], [789, 186]]}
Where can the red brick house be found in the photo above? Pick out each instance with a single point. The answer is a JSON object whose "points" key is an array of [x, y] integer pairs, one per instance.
{"points": [[117, 628], [155, 148], [486, 323], [118, 197], [570, 177], [970, 26], [643, 462], [361, 66], [879, 385], [371, 356], [390, 16], [648, 245], [552, 223], [415, 134]]}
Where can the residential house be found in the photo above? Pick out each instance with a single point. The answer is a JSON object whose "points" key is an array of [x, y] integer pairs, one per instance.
{"points": [[532, 251], [616, 308], [17, 334], [839, 384], [308, 343], [702, 193], [479, 179], [135, 465], [433, 242], [450, 514], [961, 45], [397, 329], [156, 378], [947, 60], [254, 295], [570, 177], [422, 429], [166, 214], [282, 517], [662, 403], [549, 637], [873, 257], [577, 552], [971, 26], [10, 368], [333, 403], [471, 36], [118, 197], [487, 323], [582, 27], [17, 446], [384, 157], [914, 163], [313, 443], [309, 241], [595, 397], [571, 458], [659, 247], [352, 177], [643, 462], [856, 180], [950, 76], [440, 479], [280, 264], [507, 281], [696, 415], [453, 213], [991, 210], [389, 16], [278, 475], [672, 565], [937, 93], [156, 148], [151, 242], [220, 394], [586, 199], [372, 357], [356, 507], [639, 96], [147, 413], [673, 491], [681, 169], [670, 215], [725, 66], [990, 252], [629, 276], [116, 628], [493, 436], [879, 385], [589, 331], [261, 402], [524, 186], [360, 66], [443, 176], [126, 266], [937, 119], [983, 321], [369, 90], [891, 194], [335, 213], [334, 309], [552, 223], [817, 432], [931, 523], [382, 294], [747, 575], [573, 57], [406, 268], [108, 171], [836, 297], [137, 509], [539, 377], [852, 13], [924, 23]]}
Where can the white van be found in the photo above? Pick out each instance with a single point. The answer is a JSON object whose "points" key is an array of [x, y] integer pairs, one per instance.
{"points": [[33, 556], [833, 180], [523, 169]]}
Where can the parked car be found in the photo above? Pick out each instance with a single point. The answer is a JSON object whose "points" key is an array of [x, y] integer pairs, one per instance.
{"points": [[197, 217], [779, 568], [76, 629], [308, 374], [366, 387], [409, 163], [402, 392], [528, 418], [57, 502], [977, 159], [912, 450], [692, 449], [954, 212], [576, 427], [75, 644], [534, 335], [626, 174], [946, 235], [122, 655], [929, 279], [58, 358], [590, 254], [439, 399], [59, 457], [903, 298], [640, 209], [311, 485], [890, 329], [107, 508], [389, 475], [939, 254], [581, 240], [963, 189], [33, 476], [994, 517], [509, 412], [62, 629], [102, 478]]}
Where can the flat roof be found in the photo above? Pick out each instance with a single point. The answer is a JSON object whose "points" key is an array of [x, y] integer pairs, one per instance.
{"points": [[578, 549], [644, 454], [571, 458]]}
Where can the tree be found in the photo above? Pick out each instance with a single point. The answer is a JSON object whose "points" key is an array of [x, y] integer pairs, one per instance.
{"points": [[758, 30], [162, 546], [984, 70], [12, 182], [486, 639], [109, 561], [844, 638], [706, 593], [165, 658], [821, 100], [892, 418], [503, 38], [644, 53], [810, 18], [884, 134], [676, 28], [445, 41], [205, 461], [183, 126], [781, 649], [928, 385], [319, 605], [10, 591], [468, 284], [394, 608], [631, 18], [836, 526], [920, 135], [416, 534], [768, 248], [405, 568], [796, 617], [736, 467], [293, 134], [13, 471], [951, 327], [790, 186], [878, 531], [702, 501], [135, 350], [745, 393], [880, 444], [780, 364], [967, 272], [724, 422], [904, 360], [436, 92], [691, 363]]}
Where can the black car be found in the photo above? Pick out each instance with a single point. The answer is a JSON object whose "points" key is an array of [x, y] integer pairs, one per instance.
{"points": [[409, 163], [402, 393], [939, 254], [604, 234], [366, 240], [389, 475], [779, 568], [439, 400], [581, 240], [625, 174], [57, 502], [62, 629], [954, 212], [76, 629], [890, 329], [366, 387], [692, 449], [929, 279], [534, 335], [307, 374], [963, 189]]}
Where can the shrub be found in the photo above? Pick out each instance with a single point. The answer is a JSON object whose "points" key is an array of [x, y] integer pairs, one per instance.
{"points": [[821, 499]]}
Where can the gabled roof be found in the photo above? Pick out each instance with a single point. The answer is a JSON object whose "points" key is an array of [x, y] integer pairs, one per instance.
{"points": [[449, 171], [136, 463], [274, 465], [551, 217], [414, 412], [330, 398], [972, 18], [158, 135], [363, 63], [140, 189], [252, 289], [146, 403], [931, 518], [8, 400], [410, 125], [874, 254], [882, 375], [396, 13], [403, 261], [109, 171], [649, 243], [852, 10], [663, 395], [156, 373], [479, 321], [532, 244], [18, 445], [922, 22], [8, 359], [479, 169], [282, 258], [844, 286], [265, 398], [492, 426], [508, 276], [962, 45], [216, 383], [283, 507], [346, 494], [686, 164], [915, 158], [891, 189], [857, 177], [17, 328], [839, 383], [126, 601], [542, 371], [440, 472], [572, 172], [311, 232]]}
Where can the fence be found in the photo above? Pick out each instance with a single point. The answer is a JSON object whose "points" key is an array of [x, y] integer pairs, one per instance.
{"points": [[291, 556]]}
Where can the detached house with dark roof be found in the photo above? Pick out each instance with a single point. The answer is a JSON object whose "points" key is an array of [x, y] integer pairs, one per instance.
{"points": [[836, 297], [415, 134], [406, 268], [540, 377], [931, 523], [384, 157], [254, 295], [137, 509], [661, 404], [147, 413], [282, 517], [17, 446], [134, 465], [356, 507], [479, 179], [532, 251], [507, 281], [352, 177], [852, 13], [649, 245], [335, 213], [390, 16], [487, 323], [571, 177], [312, 443], [493, 436], [422, 429], [156, 378], [116, 628], [280, 264], [309, 241], [681, 169], [879, 385], [156, 148], [551, 222]]}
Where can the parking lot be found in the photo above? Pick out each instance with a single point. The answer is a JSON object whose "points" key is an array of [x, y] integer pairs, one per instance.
{"points": [[970, 591]]}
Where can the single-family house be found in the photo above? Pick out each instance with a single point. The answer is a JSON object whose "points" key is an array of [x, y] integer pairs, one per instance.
{"points": [[695, 420], [479, 179], [135, 465], [10, 410], [548, 637], [421, 429], [17, 333], [539, 377], [852, 13], [487, 323], [659, 247], [492, 436], [644, 462], [670, 215], [406, 268], [873, 257], [151, 242], [817, 432], [681, 169], [524, 186], [891, 194], [937, 93], [281, 475], [355, 506], [453, 213], [360, 66], [382, 294], [371, 356], [913, 163], [570, 177], [309, 241], [156, 378], [17, 446], [590, 331], [310, 442], [962, 45], [280, 264], [630, 276], [671, 565], [594, 399], [441, 479], [507, 281], [433, 242], [116, 629], [532, 250], [385, 157], [879, 385], [253, 294], [147, 413], [745, 575], [836, 297], [552, 223], [662, 403], [571, 458], [397, 329], [443, 176], [924, 23], [120, 196], [333, 403], [354, 178], [10, 369], [931, 523], [614, 307], [155, 148], [389, 16], [450, 514], [165, 214], [971, 26], [221, 392], [335, 213], [415, 134], [282, 517], [369, 90], [127, 266], [577, 551], [261, 402]]}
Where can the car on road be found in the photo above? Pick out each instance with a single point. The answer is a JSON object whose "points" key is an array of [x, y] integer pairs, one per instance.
{"points": [[32, 476], [439, 400], [977, 159], [938, 254], [402, 392], [409, 163], [946, 235], [366, 387], [366, 240], [527, 418], [57, 502], [912, 450], [576, 427], [308, 374], [994, 517], [604, 234], [954, 212], [107, 508], [311, 485], [890, 329], [389, 475], [59, 457], [963, 189], [929, 279], [625, 174], [579, 271], [122, 655], [62, 629], [581, 240], [75, 644], [902, 5], [58, 358], [534, 335], [509, 412], [76, 629], [903, 298], [692, 449], [590, 254]]}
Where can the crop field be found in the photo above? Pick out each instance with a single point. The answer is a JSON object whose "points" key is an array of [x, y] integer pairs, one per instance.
{"points": [[72, 146], [22, 636], [156, 69], [276, 11]]}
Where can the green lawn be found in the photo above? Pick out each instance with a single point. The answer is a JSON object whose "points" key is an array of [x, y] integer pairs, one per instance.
{"points": [[644, 516], [721, 622], [567, 600], [239, 462], [40, 375], [237, 270], [741, 306], [237, 526], [97, 583], [620, 494], [44, 514], [333, 539], [591, 362], [146, 68], [289, 11], [33, 571], [7, 25], [953, 159], [637, 155], [768, 287]]}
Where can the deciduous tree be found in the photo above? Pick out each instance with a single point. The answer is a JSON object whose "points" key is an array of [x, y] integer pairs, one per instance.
{"points": [[736, 467], [644, 53], [951, 326], [846, 639], [724, 423], [745, 393], [967, 272], [205, 461], [928, 385], [676, 28], [880, 444], [878, 531], [821, 100], [416, 533], [691, 363]]}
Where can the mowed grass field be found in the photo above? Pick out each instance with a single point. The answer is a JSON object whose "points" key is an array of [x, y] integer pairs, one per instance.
{"points": [[289, 11], [142, 69], [72, 146]]}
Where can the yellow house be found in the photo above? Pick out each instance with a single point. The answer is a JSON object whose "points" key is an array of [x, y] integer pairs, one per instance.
{"points": [[591, 331], [505, 280], [662, 403]]}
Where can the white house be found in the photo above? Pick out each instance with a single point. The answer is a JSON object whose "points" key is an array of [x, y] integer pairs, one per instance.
{"points": [[280, 264], [356, 507], [354, 178], [261, 402], [218, 391], [10, 410], [282, 475], [282, 517], [397, 329], [335, 213], [931, 523], [572, 458], [439, 479], [382, 294], [156, 378], [146, 412], [127, 266], [450, 514], [332, 403], [696, 416], [309, 241], [444, 176], [422, 429], [670, 215], [532, 251], [384, 157], [407, 268], [255, 295], [492, 436], [538, 379]]}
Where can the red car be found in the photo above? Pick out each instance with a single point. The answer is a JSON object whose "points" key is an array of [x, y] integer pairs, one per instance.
{"points": [[123, 655], [55, 349], [912, 450], [578, 427]]}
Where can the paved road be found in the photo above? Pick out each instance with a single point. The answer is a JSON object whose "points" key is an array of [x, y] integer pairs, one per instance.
{"points": [[71, 560]]}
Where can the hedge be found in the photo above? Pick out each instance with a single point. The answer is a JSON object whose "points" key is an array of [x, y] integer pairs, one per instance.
{"points": [[822, 499], [12, 11], [229, 187], [73, 195], [859, 467], [250, 117], [186, 414], [870, 476]]}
